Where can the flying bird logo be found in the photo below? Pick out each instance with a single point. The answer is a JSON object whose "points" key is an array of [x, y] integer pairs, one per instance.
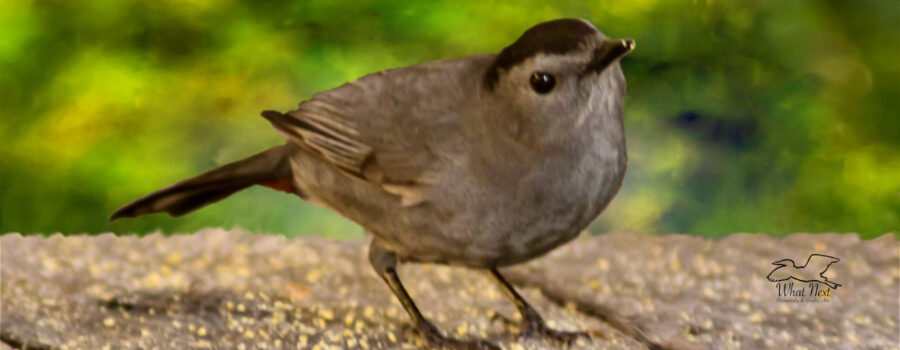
{"points": [[812, 271]]}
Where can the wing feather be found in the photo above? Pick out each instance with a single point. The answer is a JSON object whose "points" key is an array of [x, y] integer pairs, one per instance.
{"points": [[337, 142], [395, 128]]}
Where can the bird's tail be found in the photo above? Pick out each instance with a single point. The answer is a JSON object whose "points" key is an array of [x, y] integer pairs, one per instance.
{"points": [[270, 168]]}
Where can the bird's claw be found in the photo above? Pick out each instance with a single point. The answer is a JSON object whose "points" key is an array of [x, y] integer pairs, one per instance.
{"points": [[532, 325], [436, 340], [498, 317]]}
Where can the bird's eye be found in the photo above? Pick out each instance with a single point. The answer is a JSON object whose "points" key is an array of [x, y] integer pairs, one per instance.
{"points": [[542, 82]]}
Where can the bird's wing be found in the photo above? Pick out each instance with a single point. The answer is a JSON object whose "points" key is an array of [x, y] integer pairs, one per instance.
{"points": [[318, 127], [394, 128], [818, 263]]}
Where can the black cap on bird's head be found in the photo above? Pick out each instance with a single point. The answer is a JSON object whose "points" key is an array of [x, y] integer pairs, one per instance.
{"points": [[559, 37]]}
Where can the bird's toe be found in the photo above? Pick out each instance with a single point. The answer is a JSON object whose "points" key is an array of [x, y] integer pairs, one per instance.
{"points": [[436, 340], [533, 326]]}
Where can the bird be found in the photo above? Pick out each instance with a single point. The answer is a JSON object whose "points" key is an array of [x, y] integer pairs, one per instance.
{"points": [[479, 162], [812, 271]]}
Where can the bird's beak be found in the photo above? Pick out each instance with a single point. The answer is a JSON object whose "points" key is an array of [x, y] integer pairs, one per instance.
{"points": [[608, 51]]}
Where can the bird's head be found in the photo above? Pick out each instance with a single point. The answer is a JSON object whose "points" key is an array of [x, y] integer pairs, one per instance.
{"points": [[784, 262], [560, 68]]}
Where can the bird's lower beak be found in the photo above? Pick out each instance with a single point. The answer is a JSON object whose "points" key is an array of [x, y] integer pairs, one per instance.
{"points": [[608, 51]]}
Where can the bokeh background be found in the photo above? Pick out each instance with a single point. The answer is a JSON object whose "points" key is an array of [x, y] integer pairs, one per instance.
{"points": [[741, 116]]}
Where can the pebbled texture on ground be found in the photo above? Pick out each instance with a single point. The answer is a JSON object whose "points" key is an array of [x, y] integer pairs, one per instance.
{"points": [[235, 290]]}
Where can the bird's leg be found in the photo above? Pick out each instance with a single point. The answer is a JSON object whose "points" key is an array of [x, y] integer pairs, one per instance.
{"points": [[532, 323], [385, 263]]}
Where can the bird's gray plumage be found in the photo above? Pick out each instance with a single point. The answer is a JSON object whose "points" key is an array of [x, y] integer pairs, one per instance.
{"points": [[462, 161], [440, 171]]}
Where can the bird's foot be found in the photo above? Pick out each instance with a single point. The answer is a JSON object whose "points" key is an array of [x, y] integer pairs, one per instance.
{"points": [[436, 340], [532, 325]]}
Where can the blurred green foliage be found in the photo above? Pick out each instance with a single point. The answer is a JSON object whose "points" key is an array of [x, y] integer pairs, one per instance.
{"points": [[742, 116]]}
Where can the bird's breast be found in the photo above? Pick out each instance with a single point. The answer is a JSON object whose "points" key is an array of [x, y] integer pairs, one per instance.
{"points": [[548, 204]]}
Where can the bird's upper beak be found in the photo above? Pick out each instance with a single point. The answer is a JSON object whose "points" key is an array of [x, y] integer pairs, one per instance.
{"points": [[608, 51]]}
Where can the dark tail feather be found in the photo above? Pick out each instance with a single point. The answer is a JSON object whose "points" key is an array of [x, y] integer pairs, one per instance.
{"points": [[270, 168]]}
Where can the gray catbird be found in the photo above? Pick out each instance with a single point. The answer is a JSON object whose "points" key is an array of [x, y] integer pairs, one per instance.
{"points": [[483, 161]]}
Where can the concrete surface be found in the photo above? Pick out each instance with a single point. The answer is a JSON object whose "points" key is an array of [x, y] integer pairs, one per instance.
{"points": [[235, 290]]}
